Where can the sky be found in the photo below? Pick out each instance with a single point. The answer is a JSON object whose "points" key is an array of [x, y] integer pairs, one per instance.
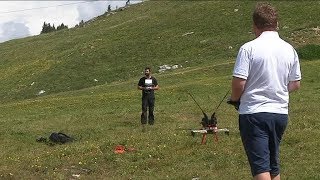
{"points": [[20, 19]]}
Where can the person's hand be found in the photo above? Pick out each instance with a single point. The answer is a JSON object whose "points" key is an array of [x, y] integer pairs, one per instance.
{"points": [[236, 104]]}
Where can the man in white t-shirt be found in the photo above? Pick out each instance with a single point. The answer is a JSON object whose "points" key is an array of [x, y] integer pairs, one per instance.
{"points": [[267, 69]]}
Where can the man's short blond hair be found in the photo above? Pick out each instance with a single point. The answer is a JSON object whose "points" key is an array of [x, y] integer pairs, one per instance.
{"points": [[265, 16]]}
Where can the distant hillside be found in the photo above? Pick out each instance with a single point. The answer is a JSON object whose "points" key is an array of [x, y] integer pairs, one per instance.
{"points": [[118, 46]]}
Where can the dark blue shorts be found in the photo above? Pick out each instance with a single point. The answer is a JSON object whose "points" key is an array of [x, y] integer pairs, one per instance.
{"points": [[261, 135]]}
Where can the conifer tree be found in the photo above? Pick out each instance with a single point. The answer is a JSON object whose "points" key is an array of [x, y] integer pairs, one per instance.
{"points": [[44, 28], [62, 26]]}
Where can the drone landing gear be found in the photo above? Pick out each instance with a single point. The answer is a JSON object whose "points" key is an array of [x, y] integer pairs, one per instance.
{"points": [[209, 130]]}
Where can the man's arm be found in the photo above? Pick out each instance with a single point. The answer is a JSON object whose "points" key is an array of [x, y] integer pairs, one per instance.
{"points": [[155, 87], [140, 87], [293, 86], [237, 88], [140, 84]]}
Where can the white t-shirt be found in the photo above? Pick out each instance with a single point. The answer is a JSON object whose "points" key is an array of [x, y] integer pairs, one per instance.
{"points": [[267, 63]]}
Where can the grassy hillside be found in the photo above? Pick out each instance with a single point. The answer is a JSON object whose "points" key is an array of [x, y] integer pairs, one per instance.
{"points": [[202, 37], [117, 47]]}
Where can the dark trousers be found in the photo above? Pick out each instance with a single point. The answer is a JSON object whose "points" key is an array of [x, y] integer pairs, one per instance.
{"points": [[261, 134], [147, 102]]}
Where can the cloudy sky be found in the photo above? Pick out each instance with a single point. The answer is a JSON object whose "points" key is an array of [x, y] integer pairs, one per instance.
{"points": [[25, 18]]}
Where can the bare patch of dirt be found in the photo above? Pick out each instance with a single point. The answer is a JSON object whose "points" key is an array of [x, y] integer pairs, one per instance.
{"points": [[305, 36]]}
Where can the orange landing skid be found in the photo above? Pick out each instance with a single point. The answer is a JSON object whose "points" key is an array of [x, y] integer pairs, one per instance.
{"points": [[204, 133]]}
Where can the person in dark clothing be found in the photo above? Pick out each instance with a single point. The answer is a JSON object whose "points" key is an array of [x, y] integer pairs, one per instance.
{"points": [[147, 84]]}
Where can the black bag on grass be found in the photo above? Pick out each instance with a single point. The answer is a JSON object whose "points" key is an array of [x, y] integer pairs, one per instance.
{"points": [[60, 138]]}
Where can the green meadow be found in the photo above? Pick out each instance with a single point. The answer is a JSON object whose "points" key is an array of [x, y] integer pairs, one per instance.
{"points": [[83, 82]]}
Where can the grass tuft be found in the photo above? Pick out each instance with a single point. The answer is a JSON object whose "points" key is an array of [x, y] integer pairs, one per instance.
{"points": [[309, 52]]}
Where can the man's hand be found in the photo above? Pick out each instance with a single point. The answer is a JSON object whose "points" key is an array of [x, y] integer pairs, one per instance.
{"points": [[236, 104]]}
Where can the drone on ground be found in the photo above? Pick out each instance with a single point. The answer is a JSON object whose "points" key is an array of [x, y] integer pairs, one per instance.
{"points": [[209, 126]]}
